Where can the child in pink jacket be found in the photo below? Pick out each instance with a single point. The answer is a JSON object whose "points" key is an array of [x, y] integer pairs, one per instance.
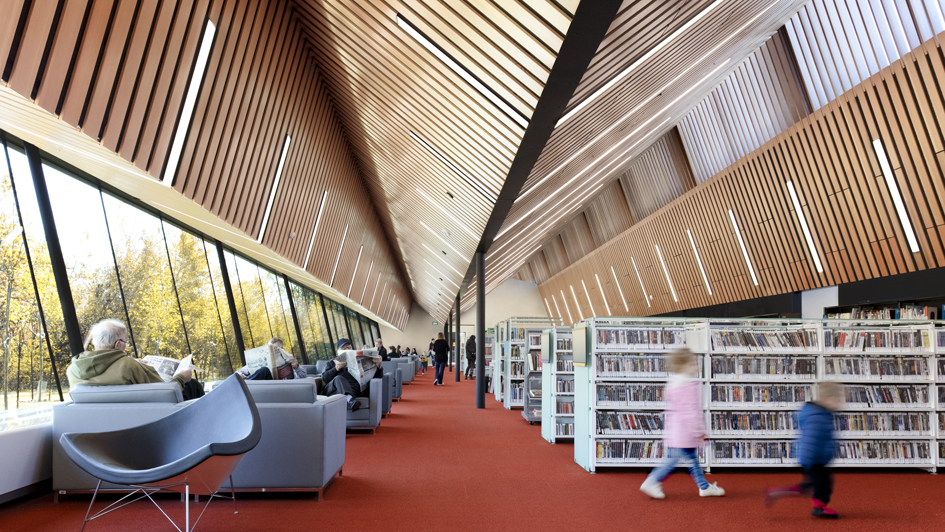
{"points": [[685, 427]]}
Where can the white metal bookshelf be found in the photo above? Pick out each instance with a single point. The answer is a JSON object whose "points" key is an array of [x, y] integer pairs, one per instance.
{"points": [[498, 363], [517, 332], [557, 410], [938, 370], [756, 374]]}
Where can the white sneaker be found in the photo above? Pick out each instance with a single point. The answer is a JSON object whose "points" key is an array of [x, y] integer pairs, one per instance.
{"points": [[712, 491], [653, 488]]}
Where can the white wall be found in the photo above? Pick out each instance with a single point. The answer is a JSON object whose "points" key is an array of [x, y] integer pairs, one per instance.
{"points": [[814, 301], [512, 298]]}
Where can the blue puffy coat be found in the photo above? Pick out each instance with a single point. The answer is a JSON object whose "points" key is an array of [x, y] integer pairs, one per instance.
{"points": [[816, 446]]}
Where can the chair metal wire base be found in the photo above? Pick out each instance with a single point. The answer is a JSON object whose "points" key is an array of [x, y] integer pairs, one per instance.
{"points": [[147, 491]]}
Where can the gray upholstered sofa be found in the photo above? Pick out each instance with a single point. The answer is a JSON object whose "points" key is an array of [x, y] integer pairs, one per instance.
{"points": [[397, 373], [302, 447], [407, 365], [373, 407]]}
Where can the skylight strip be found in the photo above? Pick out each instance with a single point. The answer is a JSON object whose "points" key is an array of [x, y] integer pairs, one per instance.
{"points": [[666, 272], [588, 296], [439, 272], [738, 233], [457, 170], [576, 304], [355, 272], [645, 295], [446, 212], [602, 294], [461, 71], [437, 253], [275, 187], [190, 100], [444, 241], [699, 261], [547, 306], [894, 194], [566, 306], [619, 289], [338, 258], [645, 57], [557, 308], [803, 220], [380, 302], [367, 279], [318, 219]]}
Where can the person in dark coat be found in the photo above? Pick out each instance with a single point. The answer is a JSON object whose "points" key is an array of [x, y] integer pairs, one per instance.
{"points": [[340, 381], [471, 357], [381, 350], [815, 451], [441, 354]]}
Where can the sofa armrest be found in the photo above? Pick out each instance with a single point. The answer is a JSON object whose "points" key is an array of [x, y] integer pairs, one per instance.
{"points": [[388, 392], [376, 399]]}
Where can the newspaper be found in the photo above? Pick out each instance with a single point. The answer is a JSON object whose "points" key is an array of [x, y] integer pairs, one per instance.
{"points": [[167, 368], [268, 356], [361, 364]]}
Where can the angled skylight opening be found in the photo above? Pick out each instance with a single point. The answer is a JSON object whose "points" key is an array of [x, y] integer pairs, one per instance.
{"points": [[646, 296], [588, 296], [576, 304], [557, 309], [338, 258], [456, 170], [565, 300], [602, 294], [275, 188], [699, 261], [807, 235], [894, 194], [619, 289], [318, 219], [355, 272], [367, 279], [741, 243]]}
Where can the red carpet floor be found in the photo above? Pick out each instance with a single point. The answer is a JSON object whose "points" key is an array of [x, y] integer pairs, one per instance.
{"points": [[437, 463]]}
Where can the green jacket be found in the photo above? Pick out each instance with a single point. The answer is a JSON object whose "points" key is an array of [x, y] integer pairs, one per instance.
{"points": [[110, 367]]}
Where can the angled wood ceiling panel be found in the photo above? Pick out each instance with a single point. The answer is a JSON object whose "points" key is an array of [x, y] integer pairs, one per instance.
{"points": [[609, 214], [577, 238], [657, 177]]}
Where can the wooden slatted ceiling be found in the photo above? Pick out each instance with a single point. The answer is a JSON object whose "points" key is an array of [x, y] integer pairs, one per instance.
{"points": [[658, 176], [118, 71], [384, 85], [830, 159], [608, 215], [603, 125]]}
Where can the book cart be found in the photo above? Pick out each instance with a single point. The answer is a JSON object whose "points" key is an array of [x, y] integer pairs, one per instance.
{"points": [[523, 336], [498, 362], [557, 382], [940, 389], [756, 375]]}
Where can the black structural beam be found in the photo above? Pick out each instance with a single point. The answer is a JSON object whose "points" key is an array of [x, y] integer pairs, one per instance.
{"points": [[480, 263], [459, 341], [231, 302], [585, 34]]}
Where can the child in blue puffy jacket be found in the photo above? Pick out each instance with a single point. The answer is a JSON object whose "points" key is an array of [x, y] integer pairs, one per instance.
{"points": [[815, 450]]}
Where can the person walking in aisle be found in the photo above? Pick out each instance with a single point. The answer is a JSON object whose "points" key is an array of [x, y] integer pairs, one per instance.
{"points": [[471, 358], [441, 351], [684, 427], [424, 360], [815, 450]]}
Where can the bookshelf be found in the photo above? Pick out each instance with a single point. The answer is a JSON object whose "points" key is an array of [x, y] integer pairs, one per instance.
{"points": [[519, 333], [557, 410], [925, 309], [756, 374], [533, 385], [489, 342], [498, 363]]}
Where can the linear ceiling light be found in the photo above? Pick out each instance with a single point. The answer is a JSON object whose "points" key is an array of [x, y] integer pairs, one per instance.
{"points": [[355, 272], [318, 218], [576, 304], [378, 311], [646, 296], [588, 296], [367, 278], [738, 233], [894, 193], [803, 220], [338, 258], [602, 294], [645, 57], [699, 261], [619, 289], [190, 100], [557, 308], [475, 184], [275, 188], [666, 272], [444, 241], [441, 273], [547, 306], [461, 72], [387, 305], [566, 306], [446, 212], [437, 253]]}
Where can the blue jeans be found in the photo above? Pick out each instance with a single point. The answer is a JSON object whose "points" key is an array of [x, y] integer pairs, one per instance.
{"points": [[438, 373], [673, 456]]}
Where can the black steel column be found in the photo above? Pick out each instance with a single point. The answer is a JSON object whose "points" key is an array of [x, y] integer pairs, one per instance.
{"points": [[231, 302], [459, 341], [295, 319], [331, 338], [449, 341], [480, 261], [56, 259]]}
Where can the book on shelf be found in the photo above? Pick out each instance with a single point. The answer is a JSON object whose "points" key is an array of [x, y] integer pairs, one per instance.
{"points": [[534, 341], [517, 334], [534, 361], [563, 344], [906, 312], [515, 353], [565, 385], [941, 396], [617, 451], [762, 423], [564, 429], [940, 336], [838, 340], [641, 366], [882, 423], [941, 369], [740, 340], [627, 338], [761, 395], [865, 368], [516, 369], [888, 452], [565, 407], [640, 395], [941, 426], [516, 392], [754, 451], [564, 365], [886, 396], [763, 367], [632, 423]]}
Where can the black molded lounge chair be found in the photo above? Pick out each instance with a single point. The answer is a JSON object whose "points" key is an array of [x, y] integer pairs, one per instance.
{"points": [[191, 451]]}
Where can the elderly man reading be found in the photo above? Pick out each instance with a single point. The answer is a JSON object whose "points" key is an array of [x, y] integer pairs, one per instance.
{"points": [[340, 381], [107, 364]]}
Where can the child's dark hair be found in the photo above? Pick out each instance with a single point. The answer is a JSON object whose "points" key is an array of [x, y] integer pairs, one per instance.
{"points": [[679, 359]]}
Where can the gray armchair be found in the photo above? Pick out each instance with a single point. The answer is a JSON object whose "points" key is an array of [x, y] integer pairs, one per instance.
{"points": [[368, 417], [397, 382], [407, 365]]}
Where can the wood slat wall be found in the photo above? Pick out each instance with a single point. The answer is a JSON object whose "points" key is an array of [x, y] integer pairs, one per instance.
{"points": [[756, 102], [609, 214], [830, 159], [118, 71], [657, 177]]}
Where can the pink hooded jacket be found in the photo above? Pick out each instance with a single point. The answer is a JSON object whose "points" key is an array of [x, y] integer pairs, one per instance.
{"points": [[685, 423]]}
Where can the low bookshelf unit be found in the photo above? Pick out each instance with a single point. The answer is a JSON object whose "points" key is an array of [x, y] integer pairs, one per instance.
{"points": [[557, 379], [522, 337]]}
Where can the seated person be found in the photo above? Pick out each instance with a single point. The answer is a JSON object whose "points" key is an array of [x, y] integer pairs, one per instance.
{"points": [[340, 381], [108, 365], [265, 374], [381, 350]]}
